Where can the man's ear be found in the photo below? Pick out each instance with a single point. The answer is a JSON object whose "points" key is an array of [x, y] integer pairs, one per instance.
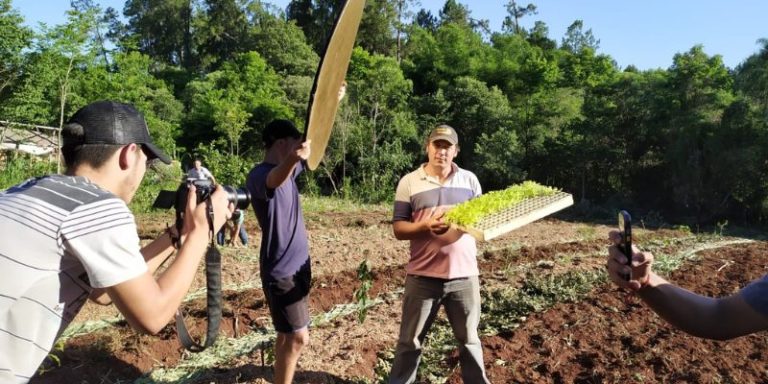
{"points": [[128, 155]]}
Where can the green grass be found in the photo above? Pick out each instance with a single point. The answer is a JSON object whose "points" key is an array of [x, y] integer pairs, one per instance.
{"points": [[319, 204]]}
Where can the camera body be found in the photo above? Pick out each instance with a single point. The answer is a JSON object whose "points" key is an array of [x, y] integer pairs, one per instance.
{"points": [[239, 197]]}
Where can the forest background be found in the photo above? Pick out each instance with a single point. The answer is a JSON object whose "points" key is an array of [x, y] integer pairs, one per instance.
{"points": [[684, 144]]}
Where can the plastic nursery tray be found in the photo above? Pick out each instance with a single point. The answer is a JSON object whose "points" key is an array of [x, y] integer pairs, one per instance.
{"points": [[518, 215]]}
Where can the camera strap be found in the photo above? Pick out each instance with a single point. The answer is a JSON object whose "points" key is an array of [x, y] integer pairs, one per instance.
{"points": [[213, 283]]}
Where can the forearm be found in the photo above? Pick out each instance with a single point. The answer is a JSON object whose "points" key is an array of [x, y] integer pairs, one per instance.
{"points": [[694, 314], [174, 281], [156, 252], [407, 230], [148, 303], [282, 172]]}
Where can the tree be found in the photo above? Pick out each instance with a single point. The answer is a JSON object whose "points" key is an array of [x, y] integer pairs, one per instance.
{"points": [[14, 38], [434, 60], [700, 88], [511, 23], [129, 80], [245, 86], [224, 32], [378, 27], [457, 13], [539, 36], [736, 154], [161, 29], [282, 44], [751, 77], [403, 13], [375, 128], [426, 20], [576, 39], [315, 18], [617, 144], [480, 114]]}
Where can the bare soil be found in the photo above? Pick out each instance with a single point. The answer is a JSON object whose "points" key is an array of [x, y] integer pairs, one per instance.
{"points": [[606, 337]]}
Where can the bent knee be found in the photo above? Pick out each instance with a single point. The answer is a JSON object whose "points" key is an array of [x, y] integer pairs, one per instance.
{"points": [[299, 338]]}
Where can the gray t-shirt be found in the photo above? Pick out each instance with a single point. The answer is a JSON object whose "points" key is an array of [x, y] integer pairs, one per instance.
{"points": [[284, 245], [756, 294]]}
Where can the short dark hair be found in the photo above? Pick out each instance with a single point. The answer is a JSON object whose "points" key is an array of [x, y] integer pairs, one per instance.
{"points": [[76, 154], [279, 129]]}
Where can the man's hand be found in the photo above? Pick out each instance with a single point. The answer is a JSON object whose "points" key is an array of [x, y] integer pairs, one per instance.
{"points": [[617, 265], [435, 224], [302, 151], [196, 215]]}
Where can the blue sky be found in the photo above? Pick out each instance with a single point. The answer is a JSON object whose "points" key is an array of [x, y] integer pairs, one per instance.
{"points": [[645, 33]]}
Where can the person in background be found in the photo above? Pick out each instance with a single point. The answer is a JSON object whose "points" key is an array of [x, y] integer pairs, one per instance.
{"points": [[724, 318], [284, 255], [236, 228], [198, 172], [442, 270], [67, 238]]}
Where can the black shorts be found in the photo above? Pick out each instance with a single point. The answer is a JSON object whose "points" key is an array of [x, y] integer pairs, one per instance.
{"points": [[287, 300]]}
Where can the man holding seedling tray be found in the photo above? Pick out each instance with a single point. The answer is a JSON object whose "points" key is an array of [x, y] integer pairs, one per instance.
{"points": [[442, 269]]}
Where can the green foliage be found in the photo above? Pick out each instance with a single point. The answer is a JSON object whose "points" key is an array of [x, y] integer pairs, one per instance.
{"points": [[157, 178], [209, 74], [380, 172], [471, 211], [14, 37], [244, 89], [16, 167], [499, 156], [361, 293], [479, 113], [376, 32], [47, 86], [227, 168], [129, 80], [504, 310], [160, 29], [282, 45]]}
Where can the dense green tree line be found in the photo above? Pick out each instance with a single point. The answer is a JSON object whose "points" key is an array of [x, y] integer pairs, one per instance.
{"points": [[687, 142]]}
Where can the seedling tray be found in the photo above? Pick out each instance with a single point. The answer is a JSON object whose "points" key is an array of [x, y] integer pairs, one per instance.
{"points": [[518, 215]]}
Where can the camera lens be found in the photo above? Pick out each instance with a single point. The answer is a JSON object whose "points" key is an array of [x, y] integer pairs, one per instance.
{"points": [[240, 197]]}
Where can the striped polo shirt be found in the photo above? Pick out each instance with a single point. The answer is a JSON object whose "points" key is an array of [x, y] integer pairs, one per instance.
{"points": [[61, 235], [418, 197]]}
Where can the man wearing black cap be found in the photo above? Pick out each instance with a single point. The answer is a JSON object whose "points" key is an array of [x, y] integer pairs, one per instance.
{"points": [[284, 256], [70, 237], [442, 270]]}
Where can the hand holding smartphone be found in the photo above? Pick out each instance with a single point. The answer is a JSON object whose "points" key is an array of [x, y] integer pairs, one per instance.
{"points": [[625, 228]]}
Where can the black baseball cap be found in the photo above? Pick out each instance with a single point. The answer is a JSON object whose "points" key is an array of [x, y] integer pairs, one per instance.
{"points": [[279, 129], [110, 122]]}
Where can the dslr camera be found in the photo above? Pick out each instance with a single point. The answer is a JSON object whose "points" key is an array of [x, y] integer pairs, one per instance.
{"points": [[239, 197]]}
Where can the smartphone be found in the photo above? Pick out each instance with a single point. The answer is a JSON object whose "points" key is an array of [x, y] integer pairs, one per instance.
{"points": [[625, 227]]}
